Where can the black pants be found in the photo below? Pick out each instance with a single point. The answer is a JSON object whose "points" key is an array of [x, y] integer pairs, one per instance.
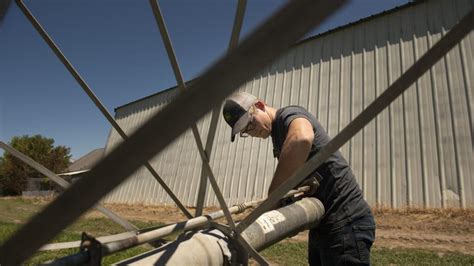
{"points": [[346, 245]]}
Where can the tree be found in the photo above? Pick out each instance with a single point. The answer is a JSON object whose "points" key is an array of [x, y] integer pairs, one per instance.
{"points": [[14, 173]]}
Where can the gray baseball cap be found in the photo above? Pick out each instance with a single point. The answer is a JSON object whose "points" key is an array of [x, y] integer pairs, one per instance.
{"points": [[236, 113]]}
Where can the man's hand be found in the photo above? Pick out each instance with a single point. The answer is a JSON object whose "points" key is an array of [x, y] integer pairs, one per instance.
{"points": [[313, 185]]}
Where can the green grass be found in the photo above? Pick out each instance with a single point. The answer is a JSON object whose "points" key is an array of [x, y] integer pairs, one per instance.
{"points": [[287, 253], [16, 211], [96, 226]]}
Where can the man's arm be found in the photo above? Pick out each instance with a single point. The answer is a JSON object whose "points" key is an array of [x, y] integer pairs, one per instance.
{"points": [[294, 152]]}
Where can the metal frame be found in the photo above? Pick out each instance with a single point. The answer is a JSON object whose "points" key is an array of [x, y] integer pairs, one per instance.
{"points": [[182, 86], [93, 97], [270, 40], [259, 49], [234, 39]]}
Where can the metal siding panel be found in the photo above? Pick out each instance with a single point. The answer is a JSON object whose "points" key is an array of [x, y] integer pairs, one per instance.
{"points": [[346, 87], [190, 196], [194, 163], [280, 73], [183, 162], [217, 158], [323, 106], [315, 78], [383, 120], [257, 170], [269, 164], [295, 88], [431, 177], [140, 175], [357, 149], [286, 79], [334, 87], [458, 108], [187, 163], [414, 158], [168, 166], [133, 180], [143, 191], [186, 177], [125, 125], [147, 179], [165, 164], [203, 128], [398, 174], [370, 144], [450, 193], [305, 81], [466, 59]]}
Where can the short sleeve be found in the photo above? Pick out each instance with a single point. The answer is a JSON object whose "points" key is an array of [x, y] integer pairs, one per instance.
{"points": [[291, 113]]}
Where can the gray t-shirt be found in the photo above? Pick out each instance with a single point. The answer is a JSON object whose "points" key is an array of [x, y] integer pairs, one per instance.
{"points": [[338, 190]]}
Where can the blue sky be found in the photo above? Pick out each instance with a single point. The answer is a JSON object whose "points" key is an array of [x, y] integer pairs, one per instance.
{"points": [[116, 47]]}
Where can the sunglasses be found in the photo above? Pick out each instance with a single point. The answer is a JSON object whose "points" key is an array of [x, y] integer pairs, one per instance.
{"points": [[250, 126]]}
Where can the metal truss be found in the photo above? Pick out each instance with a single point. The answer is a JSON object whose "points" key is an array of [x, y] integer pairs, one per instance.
{"points": [[93, 97], [267, 42]]}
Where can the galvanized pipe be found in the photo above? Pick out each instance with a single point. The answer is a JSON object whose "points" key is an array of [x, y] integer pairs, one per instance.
{"points": [[193, 223], [212, 247], [126, 242], [133, 241]]}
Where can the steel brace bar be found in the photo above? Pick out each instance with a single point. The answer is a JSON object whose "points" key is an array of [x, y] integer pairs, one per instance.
{"points": [[4, 5], [94, 98], [234, 40], [64, 184], [259, 49], [179, 78], [242, 243], [454, 36]]}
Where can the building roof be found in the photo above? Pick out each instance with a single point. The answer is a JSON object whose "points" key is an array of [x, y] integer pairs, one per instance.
{"points": [[87, 161]]}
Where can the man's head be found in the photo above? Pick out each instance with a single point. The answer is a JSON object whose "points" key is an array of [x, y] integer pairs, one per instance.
{"points": [[247, 115]]}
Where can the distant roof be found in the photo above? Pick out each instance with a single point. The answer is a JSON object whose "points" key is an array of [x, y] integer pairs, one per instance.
{"points": [[374, 16], [87, 161]]}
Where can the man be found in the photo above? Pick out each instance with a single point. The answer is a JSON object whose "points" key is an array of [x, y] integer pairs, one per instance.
{"points": [[347, 230]]}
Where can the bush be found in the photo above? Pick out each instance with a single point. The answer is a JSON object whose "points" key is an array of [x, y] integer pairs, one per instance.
{"points": [[14, 173]]}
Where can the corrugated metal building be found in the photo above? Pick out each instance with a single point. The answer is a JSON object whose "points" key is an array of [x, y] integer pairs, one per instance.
{"points": [[418, 152]]}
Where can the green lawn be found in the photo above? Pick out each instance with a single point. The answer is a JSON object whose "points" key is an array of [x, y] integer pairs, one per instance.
{"points": [[97, 227]]}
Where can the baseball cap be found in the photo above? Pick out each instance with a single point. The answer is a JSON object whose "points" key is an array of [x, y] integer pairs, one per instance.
{"points": [[236, 113]]}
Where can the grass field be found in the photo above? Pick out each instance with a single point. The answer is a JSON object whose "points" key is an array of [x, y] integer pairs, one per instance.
{"points": [[15, 211]]}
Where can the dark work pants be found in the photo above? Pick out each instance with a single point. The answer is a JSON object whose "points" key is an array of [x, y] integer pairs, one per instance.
{"points": [[346, 245]]}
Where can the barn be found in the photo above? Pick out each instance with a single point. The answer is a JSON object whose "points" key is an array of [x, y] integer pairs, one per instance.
{"points": [[417, 153]]}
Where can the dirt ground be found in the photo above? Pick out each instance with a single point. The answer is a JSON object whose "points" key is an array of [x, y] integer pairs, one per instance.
{"points": [[449, 230]]}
